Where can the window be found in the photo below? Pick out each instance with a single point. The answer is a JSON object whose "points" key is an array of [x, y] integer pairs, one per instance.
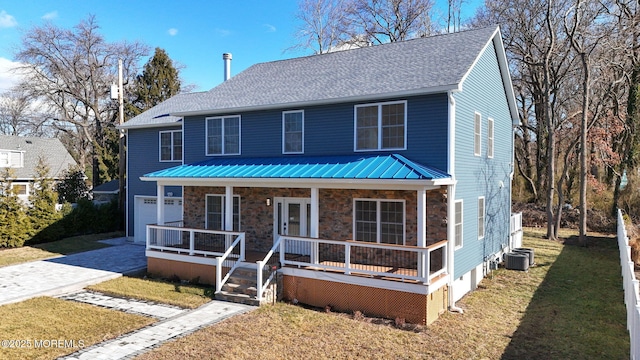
{"points": [[19, 189], [293, 132], [171, 145], [380, 126], [4, 159], [215, 212], [379, 221], [223, 135], [481, 216], [458, 223], [490, 138], [477, 133]]}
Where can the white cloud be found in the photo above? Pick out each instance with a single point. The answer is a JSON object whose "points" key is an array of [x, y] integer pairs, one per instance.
{"points": [[172, 31], [223, 32], [8, 76], [50, 15], [270, 28], [6, 20]]}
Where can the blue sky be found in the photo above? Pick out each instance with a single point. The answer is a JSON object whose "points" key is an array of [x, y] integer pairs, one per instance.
{"points": [[193, 33]]}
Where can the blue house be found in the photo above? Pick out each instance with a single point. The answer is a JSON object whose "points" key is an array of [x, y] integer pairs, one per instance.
{"points": [[376, 179]]}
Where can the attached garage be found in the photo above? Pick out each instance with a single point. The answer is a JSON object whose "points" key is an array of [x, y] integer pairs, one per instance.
{"points": [[146, 211]]}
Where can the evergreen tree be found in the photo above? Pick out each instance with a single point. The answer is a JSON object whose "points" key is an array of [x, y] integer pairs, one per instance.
{"points": [[158, 82], [14, 223], [42, 211], [73, 187]]}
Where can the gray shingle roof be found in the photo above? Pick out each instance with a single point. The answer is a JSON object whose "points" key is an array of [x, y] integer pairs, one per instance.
{"points": [[160, 114], [51, 150], [425, 65]]}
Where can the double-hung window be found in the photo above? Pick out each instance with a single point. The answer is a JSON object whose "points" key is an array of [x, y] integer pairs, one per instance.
{"points": [[458, 223], [379, 221], [223, 135], [481, 217], [381, 126], [477, 134], [171, 145], [490, 141], [216, 212], [293, 132]]}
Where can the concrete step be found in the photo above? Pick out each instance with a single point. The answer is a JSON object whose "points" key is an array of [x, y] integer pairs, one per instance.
{"points": [[235, 288], [237, 298]]}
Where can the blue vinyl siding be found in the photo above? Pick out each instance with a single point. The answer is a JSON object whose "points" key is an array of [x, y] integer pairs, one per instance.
{"points": [[329, 130], [143, 158], [476, 176]]}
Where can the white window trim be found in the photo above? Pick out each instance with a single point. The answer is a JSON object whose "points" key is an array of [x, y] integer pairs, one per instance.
{"points": [[490, 138], [173, 159], [222, 198], [477, 136], [379, 105], [484, 217], [206, 135], [378, 222], [284, 134], [455, 224]]}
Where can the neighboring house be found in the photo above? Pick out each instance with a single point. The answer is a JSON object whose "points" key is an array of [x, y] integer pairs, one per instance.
{"points": [[375, 179], [107, 192], [22, 155]]}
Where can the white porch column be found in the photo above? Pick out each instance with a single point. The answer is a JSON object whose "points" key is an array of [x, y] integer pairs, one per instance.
{"points": [[160, 205], [315, 220], [423, 271], [228, 209], [315, 213]]}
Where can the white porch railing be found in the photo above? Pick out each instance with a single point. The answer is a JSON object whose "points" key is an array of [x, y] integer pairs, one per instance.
{"points": [[263, 266], [630, 285], [361, 258], [227, 267], [191, 241]]}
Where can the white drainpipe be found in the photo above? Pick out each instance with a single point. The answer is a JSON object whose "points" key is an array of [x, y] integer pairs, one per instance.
{"points": [[451, 194]]}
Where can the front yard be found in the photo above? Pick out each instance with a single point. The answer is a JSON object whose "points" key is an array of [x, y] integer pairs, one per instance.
{"points": [[569, 306]]}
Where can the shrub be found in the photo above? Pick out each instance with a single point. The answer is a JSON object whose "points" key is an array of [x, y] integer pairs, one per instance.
{"points": [[14, 223]]}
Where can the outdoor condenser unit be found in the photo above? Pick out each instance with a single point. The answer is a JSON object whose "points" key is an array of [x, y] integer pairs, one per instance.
{"points": [[516, 261], [525, 251]]}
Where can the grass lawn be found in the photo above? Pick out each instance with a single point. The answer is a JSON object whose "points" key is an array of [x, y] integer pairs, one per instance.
{"points": [[183, 295], [569, 306], [48, 328], [56, 248]]}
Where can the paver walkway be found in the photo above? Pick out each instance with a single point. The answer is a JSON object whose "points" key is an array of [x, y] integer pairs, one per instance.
{"points": [[140, 341], [66, 276], [71, 272]]}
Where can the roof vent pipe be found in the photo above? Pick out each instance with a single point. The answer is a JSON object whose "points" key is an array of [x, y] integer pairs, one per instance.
{"points": [[227, 65]]}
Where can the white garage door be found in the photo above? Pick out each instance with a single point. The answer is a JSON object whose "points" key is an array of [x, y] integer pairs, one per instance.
{"points": [[145, 212]]}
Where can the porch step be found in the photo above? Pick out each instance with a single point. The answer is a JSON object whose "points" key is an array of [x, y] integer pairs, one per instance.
{"points": [[242, 288]]}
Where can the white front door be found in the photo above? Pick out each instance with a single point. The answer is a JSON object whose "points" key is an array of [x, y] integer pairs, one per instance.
{"points": [[292, 217]]}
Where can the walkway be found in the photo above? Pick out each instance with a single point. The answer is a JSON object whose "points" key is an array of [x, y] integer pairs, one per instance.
{"points": [[66, 276], [70, 273], [179, 323]]}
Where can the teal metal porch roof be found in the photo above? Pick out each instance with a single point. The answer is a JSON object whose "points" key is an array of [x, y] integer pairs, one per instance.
{"points": [[352, 167]]}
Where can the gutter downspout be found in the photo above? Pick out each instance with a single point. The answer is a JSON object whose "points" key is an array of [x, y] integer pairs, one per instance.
{"points": [[451, 196]]}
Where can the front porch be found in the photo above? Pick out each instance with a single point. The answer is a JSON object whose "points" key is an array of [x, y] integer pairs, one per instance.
{"points": [[314, 271]]}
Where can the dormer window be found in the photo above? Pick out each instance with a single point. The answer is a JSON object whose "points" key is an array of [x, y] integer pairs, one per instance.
{"points": [[11, 158]]}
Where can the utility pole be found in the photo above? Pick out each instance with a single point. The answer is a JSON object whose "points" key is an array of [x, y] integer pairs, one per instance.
{"points": [[121, 152]]}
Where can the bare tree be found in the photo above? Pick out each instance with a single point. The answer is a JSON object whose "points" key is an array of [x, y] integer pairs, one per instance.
{"points": [[71, 71], [15, 113], [322, 25], [327, 25]]}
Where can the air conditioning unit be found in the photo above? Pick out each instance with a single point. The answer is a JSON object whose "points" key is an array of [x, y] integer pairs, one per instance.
{"points": [[516, 261], [526, 251]]}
